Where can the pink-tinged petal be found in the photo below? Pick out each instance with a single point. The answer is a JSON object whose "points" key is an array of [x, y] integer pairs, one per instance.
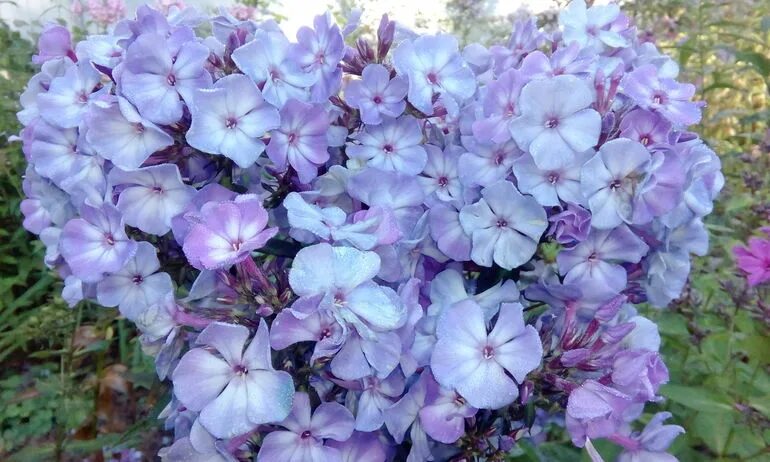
{"points": [[332, 420], [522, 354], [451, 364], [199, 378], [383, 353], [270, 395], [464, 322], [281, 446], [379, 306], [228, 339], [298, 420], [509, 324], [257, 355], [287, 329], [361, 447], [581, 130], [369, 415], [488, 387], [441, 424], [350, 363]]}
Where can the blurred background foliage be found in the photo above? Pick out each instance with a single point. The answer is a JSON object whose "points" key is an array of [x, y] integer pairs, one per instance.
{"points": [[75, 384]]}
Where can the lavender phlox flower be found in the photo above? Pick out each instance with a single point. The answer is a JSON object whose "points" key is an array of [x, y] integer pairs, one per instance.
{"points": [[648, 128], [477, 363], [566, 60], [403, 416], [67, 98], [225, 233], [96, 243], [592, 27], [300, 140], [500, 106], [137, 285], [556, 120], [639, 373], [237, 389], [571, 225], [159, 74], [440, 176], [376, 95], [595, 411], [652, 442], [447, 230], [319, 51], [305, 434], [434, 66], [399, 192], [395, 145], [485, 164], [266, 59], [54, 42], [45, 204], [504, 226], [361, 446], [663, 95], [150, 197], [338, 280], [550, 186], [230, 118], [595, 262], [610, 181], [117, 132]]}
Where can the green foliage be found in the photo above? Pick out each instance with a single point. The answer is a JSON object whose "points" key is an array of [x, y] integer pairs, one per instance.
{"points": [[64, 370]]}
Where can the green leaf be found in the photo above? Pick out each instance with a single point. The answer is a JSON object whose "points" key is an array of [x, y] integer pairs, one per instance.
{"points": [[699, 399], [714, 432], [765, 24], [758, 61]]}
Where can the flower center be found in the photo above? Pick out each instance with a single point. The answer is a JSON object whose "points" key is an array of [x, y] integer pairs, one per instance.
{"points": [[553, 177], [432, 78], [645, 139], [109, 239], [171, 79], [137, 279], [459, 400], [502, 223], [488, 352], [443, 181], [659, 98], [552, 122], [325, 333], [388, 148], [593, 257], [339, 299], [240, 369], [82, 98], [157, 190], [139, 128], [292, 138], [499, 158], [236, 245], [231, 122], [306, 434], [275, 74], [377, 99], [616, 184]]}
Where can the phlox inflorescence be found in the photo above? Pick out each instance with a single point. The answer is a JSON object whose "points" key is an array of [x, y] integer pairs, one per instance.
{"points": [[393, 249]]}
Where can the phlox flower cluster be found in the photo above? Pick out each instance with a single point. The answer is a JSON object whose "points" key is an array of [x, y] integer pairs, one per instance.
{"points": [[393, 248]]}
